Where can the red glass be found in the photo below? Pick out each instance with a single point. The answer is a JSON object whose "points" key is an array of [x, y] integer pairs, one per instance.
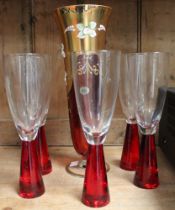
{"points": [[95, 191], [31, 183], [146, 175], [130, 154], [79, 141], [46, 166]]}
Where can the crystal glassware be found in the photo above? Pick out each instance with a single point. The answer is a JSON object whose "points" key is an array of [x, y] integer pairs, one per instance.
{"points": [[83, 27], [27, 81], [152, 74], [96, 81], [127, 93]]}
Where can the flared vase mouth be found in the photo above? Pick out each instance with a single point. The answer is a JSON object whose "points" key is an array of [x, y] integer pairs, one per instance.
{"points": [[83, 5]]}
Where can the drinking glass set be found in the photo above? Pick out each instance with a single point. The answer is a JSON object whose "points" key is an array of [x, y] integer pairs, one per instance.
{"points": [[93, 75], [97, 76], [142, 76]]}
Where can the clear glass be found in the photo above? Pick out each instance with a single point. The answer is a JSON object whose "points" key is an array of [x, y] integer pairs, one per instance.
{"points": [[27, 82], [127, 93], [152, 74], [96, 81], [127, 89]]}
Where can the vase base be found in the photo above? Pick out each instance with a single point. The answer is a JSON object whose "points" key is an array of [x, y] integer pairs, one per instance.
{"points": [[77, 168]]}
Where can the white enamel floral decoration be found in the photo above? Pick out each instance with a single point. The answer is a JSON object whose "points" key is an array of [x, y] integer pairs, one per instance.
{"points": [[88, 30]]}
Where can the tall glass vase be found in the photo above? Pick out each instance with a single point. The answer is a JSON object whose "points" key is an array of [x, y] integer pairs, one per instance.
{"points": [[83, 27]]}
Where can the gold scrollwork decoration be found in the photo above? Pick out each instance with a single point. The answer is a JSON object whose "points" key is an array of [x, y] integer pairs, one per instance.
{"points": [[87, 67]]}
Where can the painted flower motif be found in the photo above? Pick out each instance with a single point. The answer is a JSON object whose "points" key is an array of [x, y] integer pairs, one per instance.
{"points": [[86, 30]]}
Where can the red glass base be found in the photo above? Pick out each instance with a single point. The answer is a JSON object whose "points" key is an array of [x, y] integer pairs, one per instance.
{"points": [[46, 166], [95, 191], [31, 183], [146, 175], [79, 141], [130, 154]]}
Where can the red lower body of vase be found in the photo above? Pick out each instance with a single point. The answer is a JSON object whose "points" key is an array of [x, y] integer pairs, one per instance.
{"points": [[146, 175], [95, 191], [130, 153], [79, 141], [31, 183], [46, 166]]}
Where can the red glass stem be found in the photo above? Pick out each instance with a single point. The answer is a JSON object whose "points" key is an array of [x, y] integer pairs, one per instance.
{"points": [[146, 175], [79, 141], [130, 153], [46, 166], [95, 191], [31, 183]]}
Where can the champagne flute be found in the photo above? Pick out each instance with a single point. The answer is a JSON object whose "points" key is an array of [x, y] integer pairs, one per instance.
{"points": [[96, 81], [27, 85], [152, 74]]}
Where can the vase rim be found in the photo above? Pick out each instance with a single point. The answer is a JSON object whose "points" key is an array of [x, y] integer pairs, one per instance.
{"points": [[81, 5]]}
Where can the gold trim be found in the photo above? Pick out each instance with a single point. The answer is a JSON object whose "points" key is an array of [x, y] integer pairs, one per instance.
{"points": [[85, 39]]}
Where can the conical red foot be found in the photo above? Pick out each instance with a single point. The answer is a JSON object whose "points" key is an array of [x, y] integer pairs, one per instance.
{"points": [[147, 172], [130, 154], [31, 183], [46, 166], [95, 192]]}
